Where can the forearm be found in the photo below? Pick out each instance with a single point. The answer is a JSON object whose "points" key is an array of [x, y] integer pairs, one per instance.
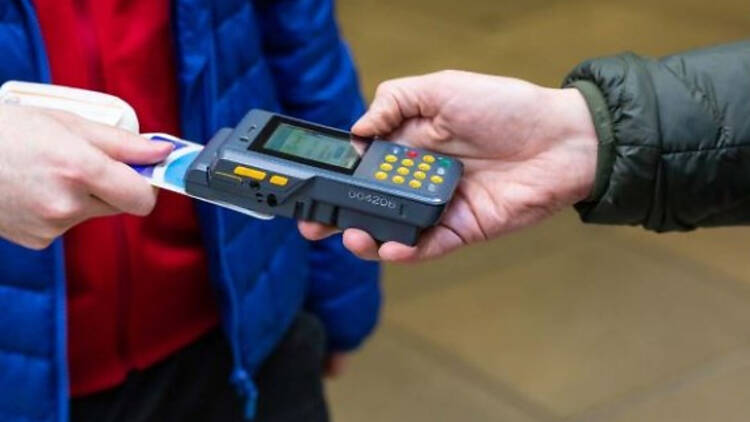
{"points": [[674, 138]]}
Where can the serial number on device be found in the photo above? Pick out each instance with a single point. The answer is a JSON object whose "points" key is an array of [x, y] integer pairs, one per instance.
{"points": [[373, 199]]}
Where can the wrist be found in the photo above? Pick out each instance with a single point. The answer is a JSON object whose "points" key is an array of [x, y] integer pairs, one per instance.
{"points": [[572, 132]]}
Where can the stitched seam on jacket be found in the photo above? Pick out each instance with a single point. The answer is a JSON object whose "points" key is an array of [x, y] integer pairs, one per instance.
{"points": [[218, 26], [42, 290], [345, 295], [706, 104], [231, 15], [221, 96], [29, 355], [264, 271]]}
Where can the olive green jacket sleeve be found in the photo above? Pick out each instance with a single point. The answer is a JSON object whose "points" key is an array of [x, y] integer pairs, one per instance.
{"points": [[674, 138]]}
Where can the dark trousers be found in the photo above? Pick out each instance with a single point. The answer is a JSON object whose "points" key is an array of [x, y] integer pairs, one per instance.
{"points": [[192, 385]]}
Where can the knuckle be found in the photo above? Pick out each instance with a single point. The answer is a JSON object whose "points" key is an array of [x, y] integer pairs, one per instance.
{"points": [[384, 88], [59, 210], [76, 167], [83, 168], [75, 173]]}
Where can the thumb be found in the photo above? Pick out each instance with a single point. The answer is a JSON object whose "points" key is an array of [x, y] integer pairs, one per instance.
{"points": [[397, 101]]}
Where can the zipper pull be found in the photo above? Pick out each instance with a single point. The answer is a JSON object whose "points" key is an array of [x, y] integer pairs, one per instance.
{"points": [[246, 388]]}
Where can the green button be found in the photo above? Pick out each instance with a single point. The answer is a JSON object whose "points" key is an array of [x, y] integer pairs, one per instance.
{"points": [[445, 162]]}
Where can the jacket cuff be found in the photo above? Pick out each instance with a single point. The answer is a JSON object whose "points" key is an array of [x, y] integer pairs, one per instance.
{"points": [[603, 125]]}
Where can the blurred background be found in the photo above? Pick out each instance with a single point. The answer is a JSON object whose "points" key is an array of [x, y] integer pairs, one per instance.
{"points": [[564, 322]]}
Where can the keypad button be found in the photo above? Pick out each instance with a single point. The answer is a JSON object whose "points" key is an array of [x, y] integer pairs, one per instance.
{"points": [[428, 159], [436, 179], [381, 175], [419, 175], [395, 150], [412, 154], [402, 171], [278, 180], [432, 187], [445, 162], [424, 166], [408, 162], [386, 167], [441, 171], [415, 184], [251, 173], [398, 179], [391, 158]]}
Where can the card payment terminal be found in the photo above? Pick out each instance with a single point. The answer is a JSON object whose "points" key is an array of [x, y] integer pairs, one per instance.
{"points": [[277, 165], [283, 166]]}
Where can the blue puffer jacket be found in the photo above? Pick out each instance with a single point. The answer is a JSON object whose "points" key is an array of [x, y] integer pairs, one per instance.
{"points": [[233, 55]]}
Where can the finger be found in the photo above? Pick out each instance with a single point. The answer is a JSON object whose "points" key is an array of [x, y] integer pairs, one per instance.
{"points": [[396, 101], [95, 207], [398, 252], [360, 243], [311, 230], [120, 144], [418, 133], [435, 242], [121, 187]]}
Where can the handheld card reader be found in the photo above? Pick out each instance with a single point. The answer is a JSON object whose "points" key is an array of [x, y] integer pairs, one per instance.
{"points": [[283, 166]]}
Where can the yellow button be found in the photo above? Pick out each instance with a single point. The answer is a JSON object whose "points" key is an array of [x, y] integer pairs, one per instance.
{"points": [[278, 180], [419, 175], [391, 158], [436, 179], [381, 175], [407, 162], [398, 179], [416, 184], [386, 167], [251, 173], [424, 167], [403, 171], [428, 158]]}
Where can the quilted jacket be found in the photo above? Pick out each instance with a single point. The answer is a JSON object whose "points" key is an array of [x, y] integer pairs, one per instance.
{"points": [[232, 55], [674, 138]]}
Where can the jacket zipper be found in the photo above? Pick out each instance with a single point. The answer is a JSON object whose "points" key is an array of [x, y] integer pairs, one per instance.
{"points": [[240, 378]]}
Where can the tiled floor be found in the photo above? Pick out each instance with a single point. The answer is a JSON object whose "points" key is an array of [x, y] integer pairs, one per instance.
{"points": [[564, 322]]}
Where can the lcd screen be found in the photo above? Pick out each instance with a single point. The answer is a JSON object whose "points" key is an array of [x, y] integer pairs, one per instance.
{"points": [[315, 146]]}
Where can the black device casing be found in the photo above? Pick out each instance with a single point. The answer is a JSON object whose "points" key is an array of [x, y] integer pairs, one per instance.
{"points": [[341, 201]]}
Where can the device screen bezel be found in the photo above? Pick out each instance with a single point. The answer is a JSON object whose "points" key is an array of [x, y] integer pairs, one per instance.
{"points": [[259, 145]]}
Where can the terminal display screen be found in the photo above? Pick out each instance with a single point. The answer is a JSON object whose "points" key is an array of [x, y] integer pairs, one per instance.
{"points": [[322, 147]]}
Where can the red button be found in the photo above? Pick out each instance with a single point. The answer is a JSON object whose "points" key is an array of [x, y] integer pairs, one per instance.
{"points": [[412, 154]]}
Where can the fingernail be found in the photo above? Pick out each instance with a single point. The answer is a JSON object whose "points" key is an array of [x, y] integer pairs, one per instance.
{"points": [[163, 145]]}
